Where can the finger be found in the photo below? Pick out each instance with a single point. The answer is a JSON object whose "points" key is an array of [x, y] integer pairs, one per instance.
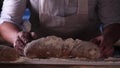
{"points": [[19, 43], [95, 41], [109, 52], [101, 48], [19, 46], [25, 37]]}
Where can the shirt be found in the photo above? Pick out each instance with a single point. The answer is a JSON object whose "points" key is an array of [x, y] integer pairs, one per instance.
{"points": [[65, 18]]}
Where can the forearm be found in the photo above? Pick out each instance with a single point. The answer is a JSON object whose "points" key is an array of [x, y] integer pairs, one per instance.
{"points": [[112, 32], [9, 32]]}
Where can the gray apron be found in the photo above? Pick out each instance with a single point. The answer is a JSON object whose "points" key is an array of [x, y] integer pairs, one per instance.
{"points": [[64, 18]]}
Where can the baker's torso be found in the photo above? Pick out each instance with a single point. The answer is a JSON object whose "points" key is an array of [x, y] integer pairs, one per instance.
{"points": [[65, 18]]}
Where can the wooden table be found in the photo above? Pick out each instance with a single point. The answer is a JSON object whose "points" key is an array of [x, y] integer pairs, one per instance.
{"points": [[61, 63]]}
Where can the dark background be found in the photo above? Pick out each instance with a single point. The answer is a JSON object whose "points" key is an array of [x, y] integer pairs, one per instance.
{"points": [[1, 1]]}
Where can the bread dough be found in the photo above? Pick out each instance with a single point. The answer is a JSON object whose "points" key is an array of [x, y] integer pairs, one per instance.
{"points": [[53, 46], [86, 49], [44, 47], [8, 53], [68, 46]]}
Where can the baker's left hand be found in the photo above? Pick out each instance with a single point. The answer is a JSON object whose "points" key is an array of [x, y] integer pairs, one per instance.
{"points": [[22, 39]]}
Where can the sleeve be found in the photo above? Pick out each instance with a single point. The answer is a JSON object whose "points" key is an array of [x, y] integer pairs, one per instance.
{"points": [[109, 11], [12, 11]]}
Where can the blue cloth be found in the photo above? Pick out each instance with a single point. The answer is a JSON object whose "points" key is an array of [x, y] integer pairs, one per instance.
{"points": [[27, 14]]}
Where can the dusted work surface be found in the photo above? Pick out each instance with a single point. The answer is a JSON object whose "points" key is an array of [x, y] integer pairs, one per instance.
{"points": [[61, 63]]}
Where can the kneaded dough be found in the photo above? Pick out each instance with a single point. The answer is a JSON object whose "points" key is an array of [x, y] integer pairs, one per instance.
{"points": [[44, 47], [53, 46], [8, 54], [86, 50]]}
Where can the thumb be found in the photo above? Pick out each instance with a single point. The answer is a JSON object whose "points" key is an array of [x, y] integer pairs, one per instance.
{"points": [[97, 40]]}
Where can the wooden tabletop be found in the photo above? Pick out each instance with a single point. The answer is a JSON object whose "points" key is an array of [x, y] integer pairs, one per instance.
{"points": [[61, 63]]}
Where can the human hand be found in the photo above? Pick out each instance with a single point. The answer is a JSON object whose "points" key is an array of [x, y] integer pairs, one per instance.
{"points": [[22, 39], [105, 45]]}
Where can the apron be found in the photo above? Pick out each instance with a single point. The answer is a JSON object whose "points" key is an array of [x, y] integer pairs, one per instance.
{"points": [[64, 18], [56, 13]]}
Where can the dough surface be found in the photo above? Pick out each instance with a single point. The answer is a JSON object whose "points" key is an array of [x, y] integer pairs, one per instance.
{"points": [[52, 46], [8, 54]]}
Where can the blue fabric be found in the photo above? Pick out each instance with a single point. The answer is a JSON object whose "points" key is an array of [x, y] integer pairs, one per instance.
{"points": [[26, 15]]}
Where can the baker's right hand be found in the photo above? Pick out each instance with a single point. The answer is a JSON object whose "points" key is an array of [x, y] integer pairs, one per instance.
{"points": [[22, 39]]}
